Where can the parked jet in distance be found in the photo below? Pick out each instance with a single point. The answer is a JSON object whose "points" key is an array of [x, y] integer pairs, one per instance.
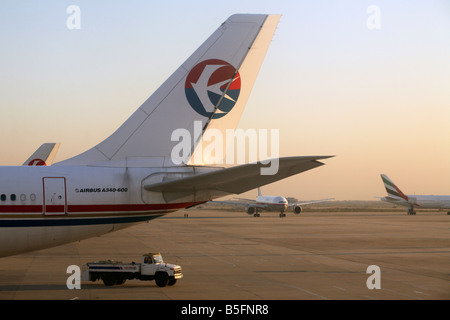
{"points": [[396, 196], [131, 176], [270, 203], [43, 156]]}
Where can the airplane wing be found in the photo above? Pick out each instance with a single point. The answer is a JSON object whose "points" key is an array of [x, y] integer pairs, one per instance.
{"points": [[236, 179], [302, 203], [240, 204], [233, 203], [245, 199], [43, 156]]}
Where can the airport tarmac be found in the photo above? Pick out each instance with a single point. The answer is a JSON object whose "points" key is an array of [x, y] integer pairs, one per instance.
{"points": [[229, 255]]}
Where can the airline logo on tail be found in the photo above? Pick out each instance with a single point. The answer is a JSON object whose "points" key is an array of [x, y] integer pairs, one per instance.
{"points": [[213, 83], [37, 162], [392, 189]]}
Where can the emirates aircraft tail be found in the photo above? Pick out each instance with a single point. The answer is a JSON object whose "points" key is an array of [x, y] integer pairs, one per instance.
{"points": [[208, 91], [392, 190]]}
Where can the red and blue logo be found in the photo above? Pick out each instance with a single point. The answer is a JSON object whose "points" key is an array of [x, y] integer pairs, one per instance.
{"points": [[213, 84]]}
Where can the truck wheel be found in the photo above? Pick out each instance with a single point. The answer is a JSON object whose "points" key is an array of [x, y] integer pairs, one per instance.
{"points": [[108, 280], [161, 279], [172, 282]]}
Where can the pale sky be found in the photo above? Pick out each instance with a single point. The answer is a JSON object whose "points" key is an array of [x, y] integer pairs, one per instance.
{"points": [[378, 99]]}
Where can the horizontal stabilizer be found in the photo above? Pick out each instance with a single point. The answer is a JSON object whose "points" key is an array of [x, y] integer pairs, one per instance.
{"points": [[237, 179]]}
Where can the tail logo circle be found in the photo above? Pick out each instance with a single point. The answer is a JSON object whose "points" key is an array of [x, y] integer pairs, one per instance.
{"points": [[213, 83]]}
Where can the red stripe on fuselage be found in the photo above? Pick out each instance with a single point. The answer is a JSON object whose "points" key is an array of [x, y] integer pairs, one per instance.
{"points": [[20, 209], [98, 208]]}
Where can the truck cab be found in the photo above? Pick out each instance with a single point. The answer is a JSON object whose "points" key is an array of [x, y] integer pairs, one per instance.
{"points": [[153, 265]]}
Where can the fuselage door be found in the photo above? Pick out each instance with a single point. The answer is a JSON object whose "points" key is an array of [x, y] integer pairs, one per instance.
{"points": [[55, 196]]}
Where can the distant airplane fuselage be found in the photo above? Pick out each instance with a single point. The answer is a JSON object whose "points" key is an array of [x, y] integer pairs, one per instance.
{"points": [[411, 202], [274, 203], [269, 203]]}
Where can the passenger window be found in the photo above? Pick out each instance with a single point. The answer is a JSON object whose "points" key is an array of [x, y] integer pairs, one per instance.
{"points": [[23, 197], [13, 197], [3, 197]]}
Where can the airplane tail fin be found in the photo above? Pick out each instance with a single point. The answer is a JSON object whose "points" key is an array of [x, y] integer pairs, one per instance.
{"points": [[392, 190], [43, 156], [208, 91]]}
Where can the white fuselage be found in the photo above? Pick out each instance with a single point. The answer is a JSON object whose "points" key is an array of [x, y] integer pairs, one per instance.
{"points": [[275, 203], [423, 201], [42, 207]]}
